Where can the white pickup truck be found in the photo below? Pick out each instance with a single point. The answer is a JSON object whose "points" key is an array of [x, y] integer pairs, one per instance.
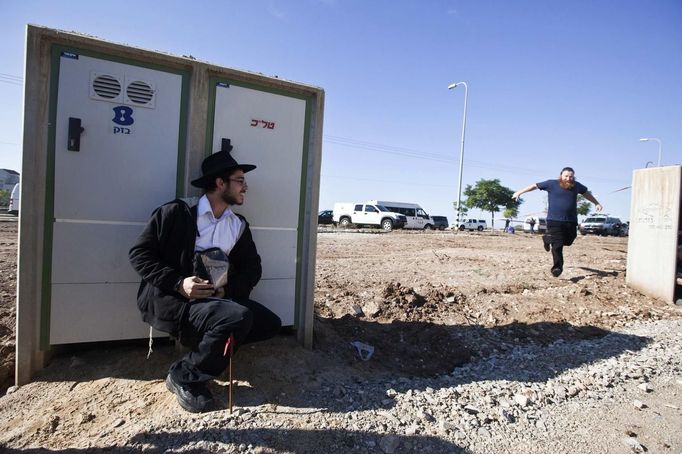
{"points": [[471, 224], [361, 214]]}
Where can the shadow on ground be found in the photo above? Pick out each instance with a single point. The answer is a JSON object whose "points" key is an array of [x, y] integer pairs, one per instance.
{"points": [[407, 355], [278, 440], [594, 272]]}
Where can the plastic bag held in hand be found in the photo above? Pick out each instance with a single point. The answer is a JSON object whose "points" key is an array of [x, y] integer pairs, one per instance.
{"points": [[212, 265]]}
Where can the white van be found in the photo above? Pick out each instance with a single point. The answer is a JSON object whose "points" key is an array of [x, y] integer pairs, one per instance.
{"points": [[13, 207], [417, 218]]}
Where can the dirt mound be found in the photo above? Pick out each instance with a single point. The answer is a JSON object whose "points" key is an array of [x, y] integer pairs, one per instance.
{"points": [[408, 349], [398, 322]]}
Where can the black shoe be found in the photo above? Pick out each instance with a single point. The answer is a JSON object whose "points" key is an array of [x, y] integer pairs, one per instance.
{"points": [[556, 272], [195, 399], [545, 243]]}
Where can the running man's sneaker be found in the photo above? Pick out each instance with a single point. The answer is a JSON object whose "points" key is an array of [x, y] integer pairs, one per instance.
{"points": [[556, 272]]}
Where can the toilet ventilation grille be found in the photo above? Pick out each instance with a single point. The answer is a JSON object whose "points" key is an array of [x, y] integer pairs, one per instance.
{"points": [[139, 92], [106, 86]]}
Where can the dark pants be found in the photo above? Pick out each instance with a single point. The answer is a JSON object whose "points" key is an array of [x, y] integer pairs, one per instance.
{"points": [[207, 327], [559, 234]]}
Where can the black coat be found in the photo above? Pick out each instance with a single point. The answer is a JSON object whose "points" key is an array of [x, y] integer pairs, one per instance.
{"points": [[164, 253]]}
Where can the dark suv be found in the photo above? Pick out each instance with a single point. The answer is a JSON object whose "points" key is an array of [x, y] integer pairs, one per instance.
{"points": [[440, 222], [601, 225], [325, 217]]}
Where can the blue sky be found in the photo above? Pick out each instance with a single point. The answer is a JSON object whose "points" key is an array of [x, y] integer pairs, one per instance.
{"points": [[551, 83]]}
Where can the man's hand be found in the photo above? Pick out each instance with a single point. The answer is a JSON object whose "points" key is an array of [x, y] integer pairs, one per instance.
{"points": [[597, 206], [196, 288], [518, 193]]}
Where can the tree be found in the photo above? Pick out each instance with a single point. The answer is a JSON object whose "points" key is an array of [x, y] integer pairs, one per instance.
{"points": [[511, 212], [584, 206], [4, 198], [489, 195]]}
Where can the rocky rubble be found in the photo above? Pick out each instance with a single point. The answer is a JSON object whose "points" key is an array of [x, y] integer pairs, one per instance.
{"points": [[467, 406], [470, 409], [524, 400]]}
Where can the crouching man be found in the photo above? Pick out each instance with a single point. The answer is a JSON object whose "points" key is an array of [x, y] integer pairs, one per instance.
{"points": [[175, 298]]}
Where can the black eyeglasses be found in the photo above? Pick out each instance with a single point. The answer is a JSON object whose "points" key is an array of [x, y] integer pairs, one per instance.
{"points": [[241, 181]]}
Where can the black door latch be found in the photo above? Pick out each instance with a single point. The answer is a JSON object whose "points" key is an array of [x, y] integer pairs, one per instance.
{"points": [[75, 131]]}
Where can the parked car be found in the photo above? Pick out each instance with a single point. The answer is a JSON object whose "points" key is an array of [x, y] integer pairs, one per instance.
{"points": [[440, 222], [472, 224], [415, 215], [601, 224], [13, 207], [367, 214], [325, 217]]}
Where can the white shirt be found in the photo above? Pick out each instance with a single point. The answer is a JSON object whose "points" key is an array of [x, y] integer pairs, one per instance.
{"points": [[222, 232]]}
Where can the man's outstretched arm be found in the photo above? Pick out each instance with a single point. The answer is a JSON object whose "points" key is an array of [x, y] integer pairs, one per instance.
{"points": [[597, 206], [518, 193]]}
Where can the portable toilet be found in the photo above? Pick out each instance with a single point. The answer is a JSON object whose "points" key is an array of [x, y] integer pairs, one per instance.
{"points": [[110, 133]]}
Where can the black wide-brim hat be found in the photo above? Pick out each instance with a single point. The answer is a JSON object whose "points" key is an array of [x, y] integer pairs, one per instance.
{"points": [[218, 164]]}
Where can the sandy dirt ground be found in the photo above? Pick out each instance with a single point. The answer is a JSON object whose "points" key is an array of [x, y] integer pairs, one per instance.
{"points": [[427, 302]]}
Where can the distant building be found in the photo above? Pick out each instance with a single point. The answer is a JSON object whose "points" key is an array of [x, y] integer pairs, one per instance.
{"points": [[8, 178]]}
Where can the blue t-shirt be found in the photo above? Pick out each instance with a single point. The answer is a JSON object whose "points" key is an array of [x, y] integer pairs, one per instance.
{"points": [[562, 202]]}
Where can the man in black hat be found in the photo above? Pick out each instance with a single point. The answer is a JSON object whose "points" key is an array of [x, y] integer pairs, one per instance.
{"points": [[175, 300]]}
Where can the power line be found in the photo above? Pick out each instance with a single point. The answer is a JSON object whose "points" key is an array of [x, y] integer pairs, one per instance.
{"points": [[412, 153], [382, 148], [11, 76], [404, 183], [393, 182], [354, 142], [11, 79]]}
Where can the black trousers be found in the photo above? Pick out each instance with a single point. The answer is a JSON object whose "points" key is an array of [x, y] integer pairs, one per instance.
{"points": [[560, 234], [209, 324]]}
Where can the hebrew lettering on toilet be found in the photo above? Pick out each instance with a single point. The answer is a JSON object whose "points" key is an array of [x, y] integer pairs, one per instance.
{"points": [[263, 124]]}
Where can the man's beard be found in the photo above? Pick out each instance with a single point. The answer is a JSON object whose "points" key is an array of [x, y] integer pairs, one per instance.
{"points": [[230, 200], [566, 184]]}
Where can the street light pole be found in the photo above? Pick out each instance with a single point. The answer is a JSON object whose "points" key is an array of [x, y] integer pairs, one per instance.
{"points": [[646, 139], [461, 151]]}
